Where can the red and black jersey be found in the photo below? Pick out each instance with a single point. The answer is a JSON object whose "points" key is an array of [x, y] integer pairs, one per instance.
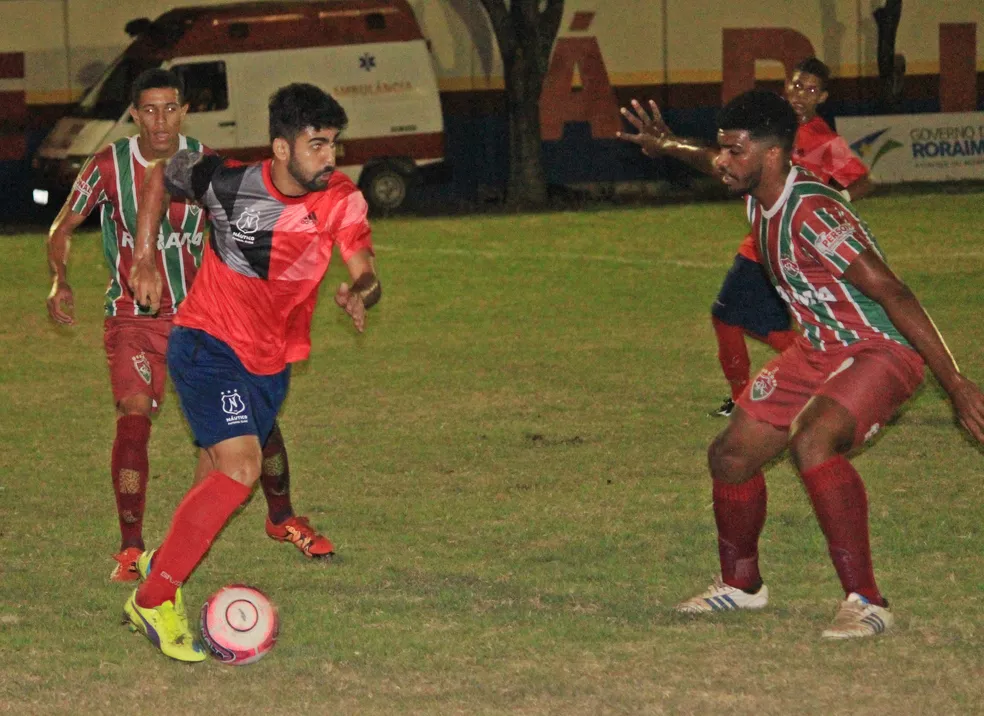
{"points": [[821, 151], [258, 283]]}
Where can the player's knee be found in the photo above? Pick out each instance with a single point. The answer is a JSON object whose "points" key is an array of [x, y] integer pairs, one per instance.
{"points": [[136, 405], [813, 444], [241, 460], [246, 470], [726, 464]]}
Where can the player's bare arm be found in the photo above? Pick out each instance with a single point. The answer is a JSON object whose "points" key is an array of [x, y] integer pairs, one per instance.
{"points": [[870, 275], [145, 279], [365, 290], [860, 188], [655, 138], [61, 301]]}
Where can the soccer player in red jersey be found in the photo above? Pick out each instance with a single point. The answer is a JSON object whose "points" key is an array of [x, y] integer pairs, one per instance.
{"points": [[864, 341], [747, 304], [246, 320], [135, 339]]}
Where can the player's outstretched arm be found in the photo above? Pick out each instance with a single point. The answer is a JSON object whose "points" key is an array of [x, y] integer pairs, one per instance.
{"points": [[61, 301], [365, 291], [875, 280], [860, 188], [655, 138], [145, 279]]}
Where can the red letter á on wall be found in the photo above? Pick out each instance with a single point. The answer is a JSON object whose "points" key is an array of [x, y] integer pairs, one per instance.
{"points": [[593, 102]]}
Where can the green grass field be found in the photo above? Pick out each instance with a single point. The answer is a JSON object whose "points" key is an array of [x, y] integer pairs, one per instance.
{"points": [[511, 463]]}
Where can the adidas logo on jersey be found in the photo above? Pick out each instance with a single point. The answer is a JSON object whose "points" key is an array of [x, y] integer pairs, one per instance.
{"points": [[310, 220]]}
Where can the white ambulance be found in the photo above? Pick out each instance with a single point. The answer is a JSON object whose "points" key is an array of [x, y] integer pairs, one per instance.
{"points": [[369, 54]]}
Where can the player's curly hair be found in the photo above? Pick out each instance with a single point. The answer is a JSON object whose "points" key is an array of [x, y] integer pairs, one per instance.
{"points": [[764, 115], [153, 79], [813, 66], [298, 106]]}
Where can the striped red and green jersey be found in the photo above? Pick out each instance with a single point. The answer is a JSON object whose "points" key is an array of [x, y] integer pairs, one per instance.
{"points": [[807, 241], [111, 179]]}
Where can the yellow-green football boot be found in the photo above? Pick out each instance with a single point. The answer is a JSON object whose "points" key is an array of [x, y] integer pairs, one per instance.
{"points": [[166, 628], [144, 562]]}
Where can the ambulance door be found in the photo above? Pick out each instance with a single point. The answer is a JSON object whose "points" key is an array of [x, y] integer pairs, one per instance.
{"points": [[211, 117]]}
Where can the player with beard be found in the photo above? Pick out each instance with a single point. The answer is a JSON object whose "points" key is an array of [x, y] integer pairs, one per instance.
{"points": [[861, 354], [134, 337], [246, 320], [746, 303]]}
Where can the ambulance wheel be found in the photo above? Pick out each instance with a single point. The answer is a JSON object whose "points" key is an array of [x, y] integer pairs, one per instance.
{"points": [[385, 188]]}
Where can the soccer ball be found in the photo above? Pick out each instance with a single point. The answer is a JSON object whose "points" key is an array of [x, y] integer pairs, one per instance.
{"points": [[239, 624]]}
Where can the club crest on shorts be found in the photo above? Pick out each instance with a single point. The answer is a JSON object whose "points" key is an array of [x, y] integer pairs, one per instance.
{"points": [[142, 366], [765, 385], [234, 407]]}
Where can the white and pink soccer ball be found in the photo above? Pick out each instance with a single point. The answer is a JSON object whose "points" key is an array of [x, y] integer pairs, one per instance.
{"points": [[239, 625]]}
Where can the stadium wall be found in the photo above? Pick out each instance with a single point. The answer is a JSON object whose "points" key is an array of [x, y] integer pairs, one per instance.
{"points": [[686, 54]]}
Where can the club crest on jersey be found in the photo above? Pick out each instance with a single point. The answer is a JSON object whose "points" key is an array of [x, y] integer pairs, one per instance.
{"points": [[828, 241], [234, 407], [788, 266], [249, 221], [765, 385], [142, 366], [247, 225]]}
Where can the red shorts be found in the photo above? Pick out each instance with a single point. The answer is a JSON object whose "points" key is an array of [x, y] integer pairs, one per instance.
{"points": [[749, 248], [871, 379], [136, 349]]}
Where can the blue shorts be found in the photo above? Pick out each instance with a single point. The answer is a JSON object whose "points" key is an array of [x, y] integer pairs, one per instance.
{"points": [[749, 300], [219, 397]]}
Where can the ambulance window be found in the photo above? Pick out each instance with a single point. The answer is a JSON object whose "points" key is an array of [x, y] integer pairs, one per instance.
{"points": [[376, 21], [110, 96], [206, 89]]}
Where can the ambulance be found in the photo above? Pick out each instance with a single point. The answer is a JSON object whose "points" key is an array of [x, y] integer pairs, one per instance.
{"points": [[369, 54]]}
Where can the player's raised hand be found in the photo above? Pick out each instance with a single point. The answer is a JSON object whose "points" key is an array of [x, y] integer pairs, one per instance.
{"points": [[352, 304], [61, 303], [968, 402], [653, 133], [147, 285]]}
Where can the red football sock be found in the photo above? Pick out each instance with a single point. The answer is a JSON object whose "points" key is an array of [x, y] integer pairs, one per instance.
{"points": [[199, 518], [275, 478], [739, 511], [841, 506], [733, 355], [129, 466], [780, 340]]}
